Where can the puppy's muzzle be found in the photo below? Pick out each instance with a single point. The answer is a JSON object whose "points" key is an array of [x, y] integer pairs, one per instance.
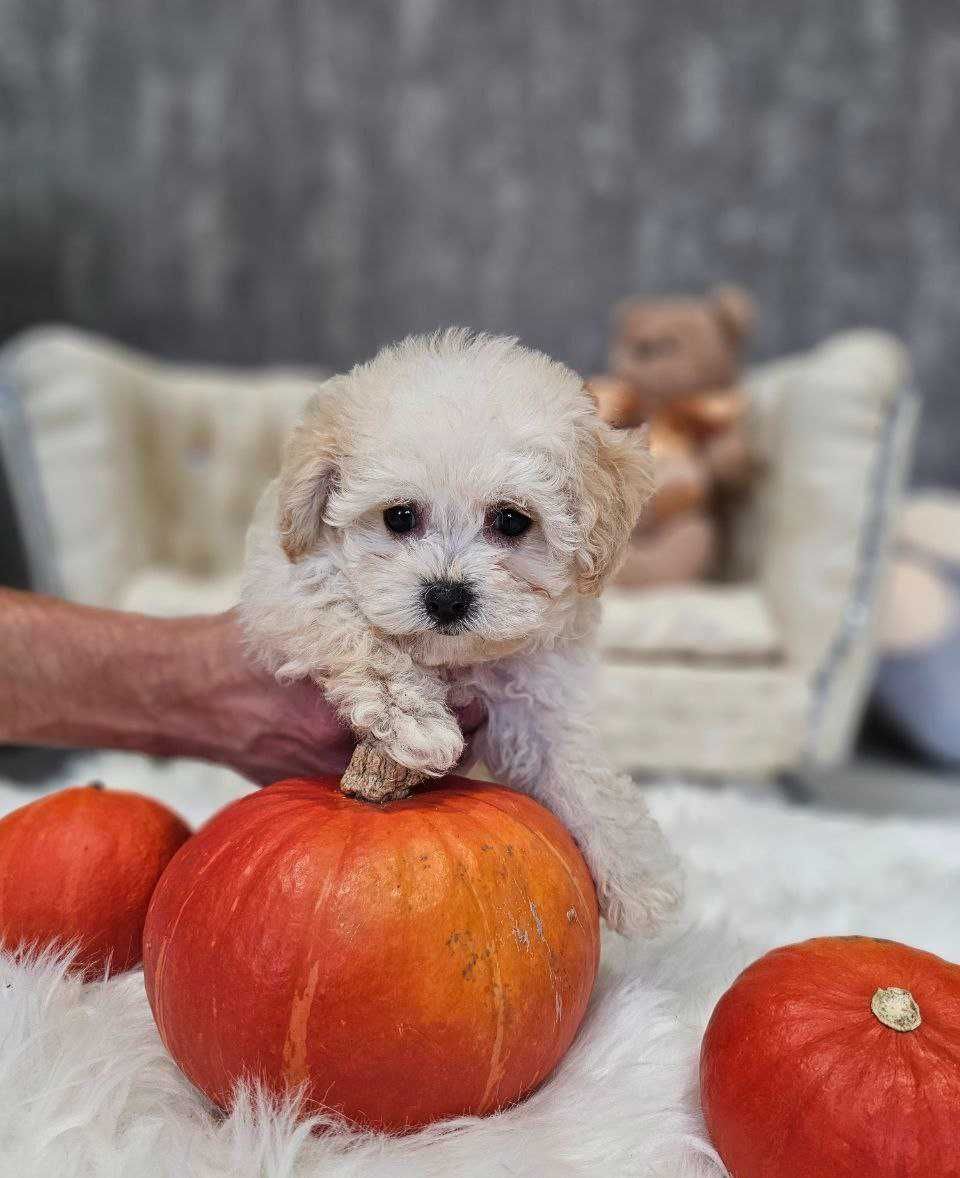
{"points": [[447, 602]]}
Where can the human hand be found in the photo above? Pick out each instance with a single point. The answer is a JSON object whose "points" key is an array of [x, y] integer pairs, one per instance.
{"points": [[72, 676], [239, 715]]}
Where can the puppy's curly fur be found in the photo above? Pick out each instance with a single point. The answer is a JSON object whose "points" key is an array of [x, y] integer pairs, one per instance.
{"points": [[460, 426]]}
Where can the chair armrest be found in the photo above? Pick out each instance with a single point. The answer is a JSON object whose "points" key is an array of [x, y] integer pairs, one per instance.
{"points": [[26, 548], [845, 429], [835, 413]]}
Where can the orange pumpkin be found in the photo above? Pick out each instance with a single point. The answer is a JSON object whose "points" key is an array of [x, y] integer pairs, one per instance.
{"points": [[405, 962], [79, 867], [837, 1058]]}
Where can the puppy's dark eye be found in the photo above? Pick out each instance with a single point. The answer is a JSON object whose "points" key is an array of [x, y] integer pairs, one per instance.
{"points": [[402, 518], [510, 522]]}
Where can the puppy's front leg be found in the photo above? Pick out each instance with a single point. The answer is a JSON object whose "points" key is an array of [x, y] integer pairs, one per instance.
{"points": [[636, 874], [398, 707], [541, 738]]}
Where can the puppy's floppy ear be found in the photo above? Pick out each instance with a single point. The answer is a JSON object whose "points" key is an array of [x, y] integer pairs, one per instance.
{"points": [[308, 475], [616, 478]]}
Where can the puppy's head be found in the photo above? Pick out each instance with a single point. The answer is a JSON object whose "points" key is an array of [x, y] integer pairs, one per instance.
{"points": [[468, 489]]}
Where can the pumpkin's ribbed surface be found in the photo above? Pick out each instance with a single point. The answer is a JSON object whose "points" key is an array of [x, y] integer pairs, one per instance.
{"points": [[408, 962], [79, 867], [801, 1076]]}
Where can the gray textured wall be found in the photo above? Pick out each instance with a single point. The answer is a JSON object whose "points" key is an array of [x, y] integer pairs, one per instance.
{"points": [[250, 179]]}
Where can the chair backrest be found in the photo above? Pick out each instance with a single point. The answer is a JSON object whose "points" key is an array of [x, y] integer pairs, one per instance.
{"points": [[210, 440], [144, 463]]}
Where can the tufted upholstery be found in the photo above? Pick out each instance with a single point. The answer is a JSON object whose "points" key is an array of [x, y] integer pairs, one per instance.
{"points": [[146, 464]]}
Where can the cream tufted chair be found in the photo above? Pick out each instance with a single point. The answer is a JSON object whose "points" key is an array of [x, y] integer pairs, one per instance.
{"points": [[149, 472]]}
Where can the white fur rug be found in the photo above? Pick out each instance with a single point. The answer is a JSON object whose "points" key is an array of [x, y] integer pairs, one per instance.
{"points": [[86, 1090]]}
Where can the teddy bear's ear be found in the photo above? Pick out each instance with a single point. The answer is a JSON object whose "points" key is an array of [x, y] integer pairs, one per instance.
{"points": [[735, 309], [308, 475], [621, 310]]}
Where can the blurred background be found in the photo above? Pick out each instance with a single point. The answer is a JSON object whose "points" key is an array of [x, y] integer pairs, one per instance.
{"points": [[276, 182]]}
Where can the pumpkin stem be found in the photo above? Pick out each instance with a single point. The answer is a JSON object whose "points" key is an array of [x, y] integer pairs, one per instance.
{"points": [[896, 1008], [373, 777]]}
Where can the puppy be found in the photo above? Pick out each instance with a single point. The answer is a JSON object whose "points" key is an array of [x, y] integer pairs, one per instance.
{"points": [[445, 519]]}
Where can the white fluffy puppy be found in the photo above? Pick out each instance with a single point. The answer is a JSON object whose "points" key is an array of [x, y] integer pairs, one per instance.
{"points": [[445, 519]]}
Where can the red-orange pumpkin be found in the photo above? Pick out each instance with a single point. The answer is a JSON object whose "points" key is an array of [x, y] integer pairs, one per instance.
{"points": [[404, 963], [79, 867], [837, 1058]]}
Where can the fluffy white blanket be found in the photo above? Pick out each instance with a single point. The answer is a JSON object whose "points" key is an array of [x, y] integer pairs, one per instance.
{"points": [[86, 1089]]}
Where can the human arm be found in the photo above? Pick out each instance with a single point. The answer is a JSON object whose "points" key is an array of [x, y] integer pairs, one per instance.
{"points": [[77, 677]]}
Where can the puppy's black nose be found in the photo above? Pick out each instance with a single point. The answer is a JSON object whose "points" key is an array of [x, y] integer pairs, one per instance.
{"points": [[447, 601]]}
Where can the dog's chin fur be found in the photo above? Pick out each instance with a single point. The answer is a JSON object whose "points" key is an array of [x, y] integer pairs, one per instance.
{"points": [[458, 425]]}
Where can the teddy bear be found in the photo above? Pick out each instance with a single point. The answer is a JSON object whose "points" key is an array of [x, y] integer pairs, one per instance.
{"points": [[675, 366]]}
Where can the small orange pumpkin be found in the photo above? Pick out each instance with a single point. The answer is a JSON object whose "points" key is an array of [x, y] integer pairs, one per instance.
{"points": [[402, 963], [79, 867], [836, 1058]]}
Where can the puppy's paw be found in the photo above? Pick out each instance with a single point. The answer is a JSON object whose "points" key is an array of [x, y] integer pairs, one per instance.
{"points": [[638, 878], [637, 906], [430, 743]]}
